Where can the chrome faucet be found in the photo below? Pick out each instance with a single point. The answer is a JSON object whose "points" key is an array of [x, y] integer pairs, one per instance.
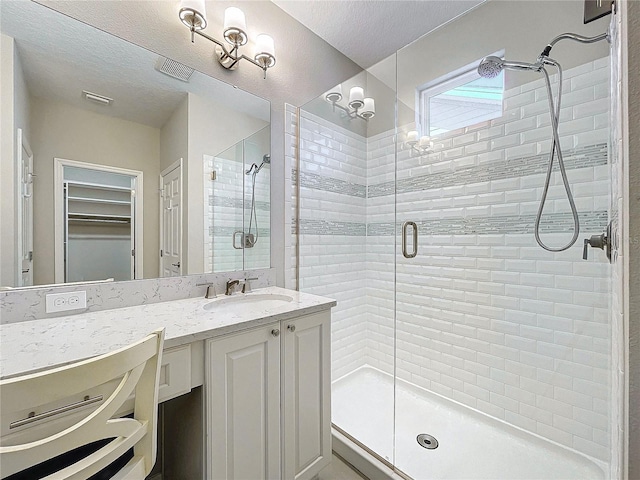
{"points": [[211, 289], [246, 287], [230, 285]]}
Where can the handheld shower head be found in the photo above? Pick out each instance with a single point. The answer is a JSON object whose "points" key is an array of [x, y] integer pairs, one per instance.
{"points": [[266, 160], [491, 66]]}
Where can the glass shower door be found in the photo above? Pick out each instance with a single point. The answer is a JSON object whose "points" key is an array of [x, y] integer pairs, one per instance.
{"points": [[346, 242], [503, 352]]}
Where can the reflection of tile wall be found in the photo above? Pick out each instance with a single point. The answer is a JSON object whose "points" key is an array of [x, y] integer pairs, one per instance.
{"points": [[223, 215], [290, 196], [484, 315]]}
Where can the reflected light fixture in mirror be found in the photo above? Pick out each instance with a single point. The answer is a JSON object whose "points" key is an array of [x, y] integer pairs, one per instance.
{"points": [[416, 144], [359, 106], [193, 14]]}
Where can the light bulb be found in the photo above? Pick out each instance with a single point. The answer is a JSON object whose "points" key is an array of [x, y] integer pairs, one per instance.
{"points": [[265, 50], [193, 14], [235, 26], [369, 108], [335, 94], [356, 97]]}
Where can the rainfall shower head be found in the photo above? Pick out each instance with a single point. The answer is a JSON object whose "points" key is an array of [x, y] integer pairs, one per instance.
{"points": [[491, 66]]}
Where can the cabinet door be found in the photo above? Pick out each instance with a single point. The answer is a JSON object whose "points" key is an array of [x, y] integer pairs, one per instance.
{"points": [[307, 395], [243, 405]]}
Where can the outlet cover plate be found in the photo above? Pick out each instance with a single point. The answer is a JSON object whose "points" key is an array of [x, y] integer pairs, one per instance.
{"points": [[63, 302]]}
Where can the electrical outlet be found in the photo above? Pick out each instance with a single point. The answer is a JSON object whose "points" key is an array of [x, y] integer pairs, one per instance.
{"points": [[62, 302]]}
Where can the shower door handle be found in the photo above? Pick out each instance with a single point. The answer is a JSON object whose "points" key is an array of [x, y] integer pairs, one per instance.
{"points": [[236, 234], [405, 227]]}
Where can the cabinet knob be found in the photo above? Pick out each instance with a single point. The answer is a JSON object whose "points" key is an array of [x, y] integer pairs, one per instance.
{"points": [[275, 332], [291, 328]]}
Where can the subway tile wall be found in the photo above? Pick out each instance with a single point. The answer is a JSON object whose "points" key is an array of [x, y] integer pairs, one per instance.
{"points": [[332, 232], [484, 315]]}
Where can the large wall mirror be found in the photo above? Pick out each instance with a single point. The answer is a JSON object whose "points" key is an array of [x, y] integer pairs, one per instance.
{"points": [[120, 163]]}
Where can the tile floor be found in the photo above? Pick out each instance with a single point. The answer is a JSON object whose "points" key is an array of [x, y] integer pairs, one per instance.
{"points": [[339, 470]]}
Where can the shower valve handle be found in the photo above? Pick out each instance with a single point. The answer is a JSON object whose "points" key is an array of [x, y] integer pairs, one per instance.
{"points": [[597, 241]]}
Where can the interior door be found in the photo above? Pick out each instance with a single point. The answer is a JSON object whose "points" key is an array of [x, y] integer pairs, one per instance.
{"points": [[171, 221], [25, 215]]}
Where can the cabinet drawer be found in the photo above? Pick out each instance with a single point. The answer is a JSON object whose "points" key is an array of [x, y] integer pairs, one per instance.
{"points": [[175, 373]]}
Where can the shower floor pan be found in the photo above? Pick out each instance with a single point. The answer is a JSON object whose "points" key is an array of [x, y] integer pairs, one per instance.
{"points": [[471, 445]]}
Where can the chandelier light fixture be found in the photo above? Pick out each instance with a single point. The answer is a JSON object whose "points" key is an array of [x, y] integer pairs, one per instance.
{"points": [[193, 14], [417, 144], [358, 106]]}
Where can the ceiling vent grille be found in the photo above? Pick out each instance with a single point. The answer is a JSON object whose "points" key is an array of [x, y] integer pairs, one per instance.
{"points": [[174, 69]]}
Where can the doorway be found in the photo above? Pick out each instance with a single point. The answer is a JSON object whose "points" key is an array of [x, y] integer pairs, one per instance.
{"points": [[98, 208]]}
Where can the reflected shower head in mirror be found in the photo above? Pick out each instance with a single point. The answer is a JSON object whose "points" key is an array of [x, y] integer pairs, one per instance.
{"points": [[266, 160]]}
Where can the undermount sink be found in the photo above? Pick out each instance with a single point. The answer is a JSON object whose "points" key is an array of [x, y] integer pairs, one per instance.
{"points": [[257, 301]]}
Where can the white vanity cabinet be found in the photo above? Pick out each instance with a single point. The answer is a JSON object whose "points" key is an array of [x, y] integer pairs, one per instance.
{"points": [[259, 381], [306, 395]]}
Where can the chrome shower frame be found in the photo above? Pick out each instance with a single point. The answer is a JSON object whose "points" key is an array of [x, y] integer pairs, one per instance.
{"points": [[250, 239]]}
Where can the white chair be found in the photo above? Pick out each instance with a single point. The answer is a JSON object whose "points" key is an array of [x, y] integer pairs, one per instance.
{"points": [[134, 368]]}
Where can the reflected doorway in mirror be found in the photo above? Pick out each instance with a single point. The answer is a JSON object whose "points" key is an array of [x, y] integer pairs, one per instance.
{"points": [[98, 228], [171, 221]]}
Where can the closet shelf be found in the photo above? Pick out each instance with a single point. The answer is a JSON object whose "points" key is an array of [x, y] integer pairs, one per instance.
{"points": [[96, 186], [98, 200], [98, 218]]}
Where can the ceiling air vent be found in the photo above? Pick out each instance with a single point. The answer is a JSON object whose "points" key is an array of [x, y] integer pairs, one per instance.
{"points": [[174, 69]]}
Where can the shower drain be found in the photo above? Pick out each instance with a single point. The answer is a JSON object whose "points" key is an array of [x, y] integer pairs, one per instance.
{"points": [[427, 441]]}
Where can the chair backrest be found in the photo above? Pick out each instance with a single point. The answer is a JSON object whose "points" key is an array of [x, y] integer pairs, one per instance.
{"points": [[134, 368]]}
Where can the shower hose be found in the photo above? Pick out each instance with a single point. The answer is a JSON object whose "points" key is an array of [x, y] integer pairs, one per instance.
{"points": [[554, 112]]}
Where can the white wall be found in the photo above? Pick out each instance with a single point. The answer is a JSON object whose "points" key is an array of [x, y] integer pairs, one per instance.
{"points": [[174, 136], [15, 114], [61, 131], [7, 171]]}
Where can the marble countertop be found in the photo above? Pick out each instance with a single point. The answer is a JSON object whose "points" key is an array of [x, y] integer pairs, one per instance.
{"points": [[38, 344]]}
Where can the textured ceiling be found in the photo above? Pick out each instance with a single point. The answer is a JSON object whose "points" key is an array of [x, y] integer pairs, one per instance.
{"points": [[61, 57], [367, 31]]}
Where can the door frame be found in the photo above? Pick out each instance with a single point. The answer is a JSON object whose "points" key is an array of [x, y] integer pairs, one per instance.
{"points": [[58, 217], [177, 164], [22, 144]]}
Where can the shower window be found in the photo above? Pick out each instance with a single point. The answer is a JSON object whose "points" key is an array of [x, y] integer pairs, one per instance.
{"points": [[459, 99]]}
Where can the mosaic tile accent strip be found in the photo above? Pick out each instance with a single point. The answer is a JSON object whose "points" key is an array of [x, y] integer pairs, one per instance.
{"points": [[325, 227], [235, 203], [507, 224], [581, 157], [328, 184], [229, 231]]}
